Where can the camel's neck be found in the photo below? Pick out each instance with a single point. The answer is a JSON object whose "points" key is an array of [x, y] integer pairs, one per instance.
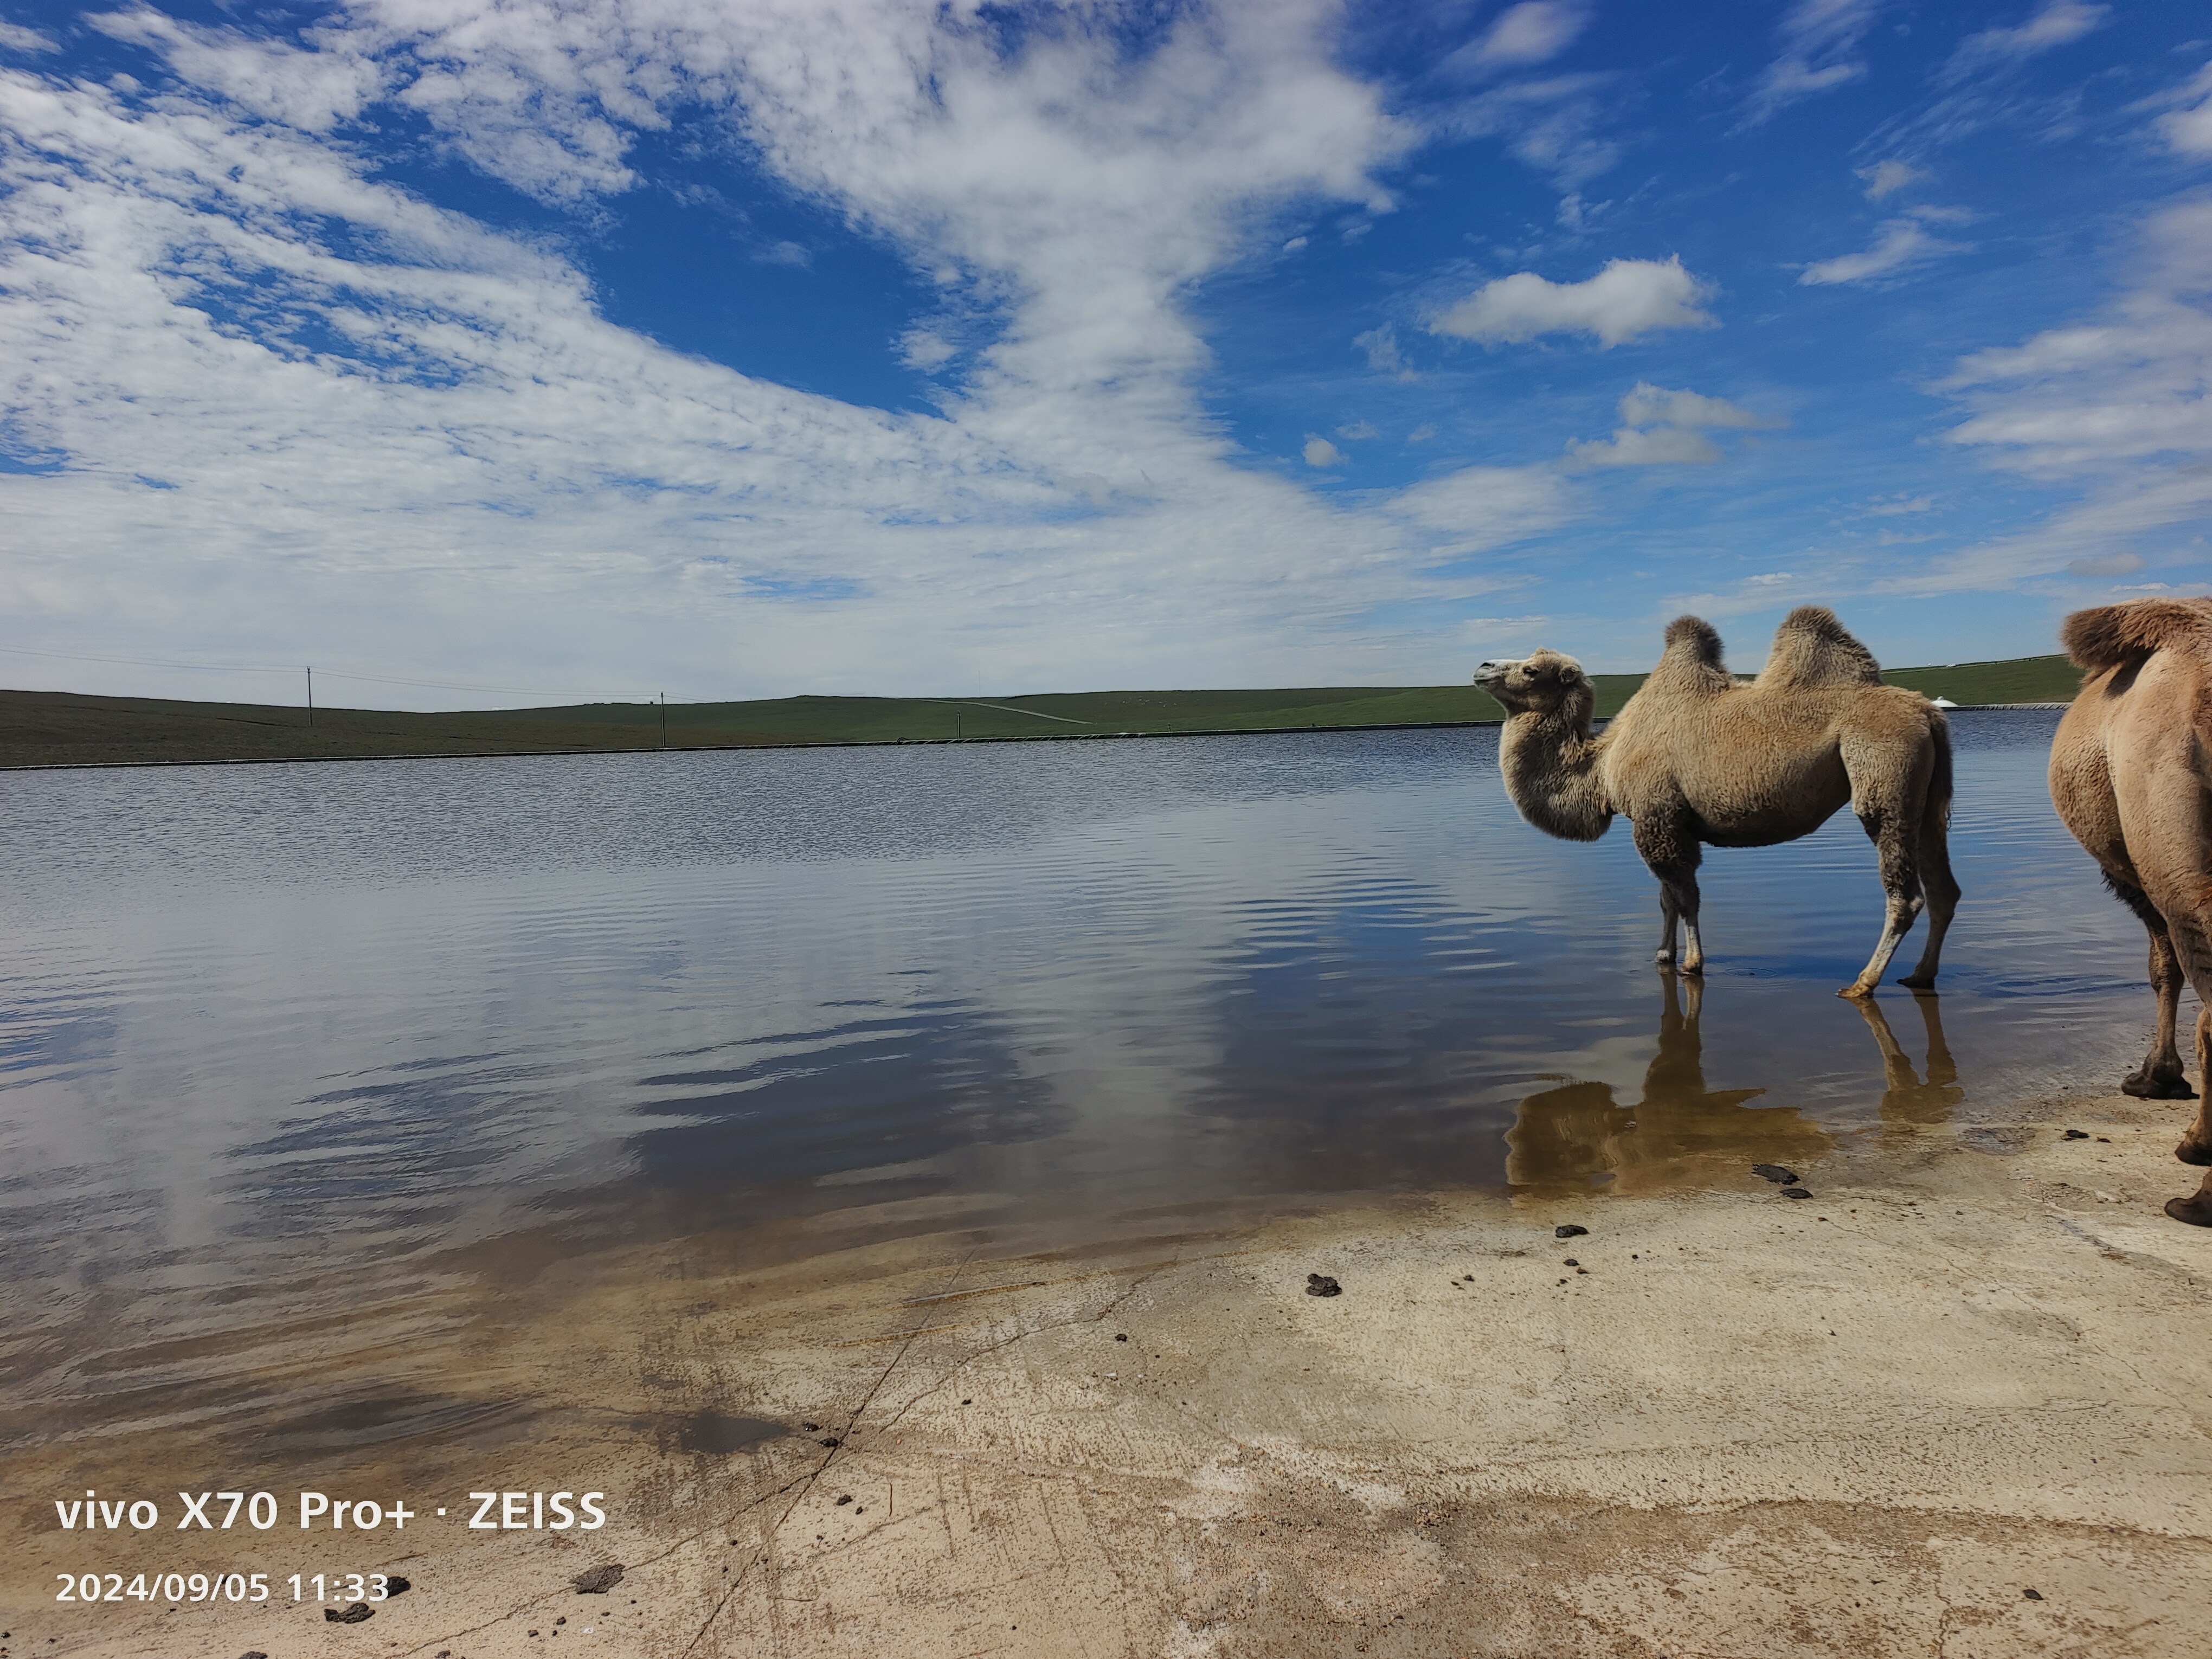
{"points": [[1551, 767]]}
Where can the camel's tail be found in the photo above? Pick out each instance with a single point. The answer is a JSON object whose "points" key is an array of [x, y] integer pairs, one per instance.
{"points": [[2112, 635], [1937, 815]]}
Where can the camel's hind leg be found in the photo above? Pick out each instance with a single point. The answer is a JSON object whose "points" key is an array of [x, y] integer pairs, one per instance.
{"points": [[2160, 1077], [1901, 886], [2196, 1146], [1671, 853], [1938, 885]]}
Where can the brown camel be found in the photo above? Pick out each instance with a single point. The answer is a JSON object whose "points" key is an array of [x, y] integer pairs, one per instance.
{"points": [[1696, 758], [2131, 774]]}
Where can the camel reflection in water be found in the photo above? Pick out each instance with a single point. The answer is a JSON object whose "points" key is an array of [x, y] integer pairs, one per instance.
{"points": [[1682, 1134]]}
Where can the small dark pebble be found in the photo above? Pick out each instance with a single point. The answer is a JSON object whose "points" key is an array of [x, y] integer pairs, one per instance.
{"points": [[812, 1428], [1794, 1192], [1570, 1230], [2032, 1596], [830, 1441], [967, 1403], [562, 1619], [1322, 1285], [1775, 1173], [845, 1499], [1569, 1261], [256, 1654], [1121, 1336], [2107, 1139], [2072, 1135], [599, 1580], [352, 1615], [396, 1585]]}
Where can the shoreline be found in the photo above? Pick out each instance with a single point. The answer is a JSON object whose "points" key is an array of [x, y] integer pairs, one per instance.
{"points": [[1869, 1422], [855, 743]]}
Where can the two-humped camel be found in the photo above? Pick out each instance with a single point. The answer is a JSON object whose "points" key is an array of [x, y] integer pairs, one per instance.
{"points": [[2131, 774], [1696, 758]]}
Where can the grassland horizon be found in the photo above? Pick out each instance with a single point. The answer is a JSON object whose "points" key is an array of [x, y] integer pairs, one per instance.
{"points": [[59, 728]]}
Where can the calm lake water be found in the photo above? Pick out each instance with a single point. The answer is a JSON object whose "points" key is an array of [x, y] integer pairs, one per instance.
{"points": [[265, 1028]]}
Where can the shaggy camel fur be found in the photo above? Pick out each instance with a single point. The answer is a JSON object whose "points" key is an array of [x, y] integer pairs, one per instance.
{"points": [[1696, 758], [2131, 774]]}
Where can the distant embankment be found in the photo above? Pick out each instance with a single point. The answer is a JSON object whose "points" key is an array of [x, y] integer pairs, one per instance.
{"points": [[54, 728]]}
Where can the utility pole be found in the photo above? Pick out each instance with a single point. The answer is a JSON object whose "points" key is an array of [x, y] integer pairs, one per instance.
{"points": [[663, 719], [311, 696]]}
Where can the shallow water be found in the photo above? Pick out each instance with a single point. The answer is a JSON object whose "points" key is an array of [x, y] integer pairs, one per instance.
{"points": [[396, 1027]]}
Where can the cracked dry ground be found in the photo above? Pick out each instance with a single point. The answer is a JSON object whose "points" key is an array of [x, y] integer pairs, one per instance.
{"points": [[1971, 1367]]}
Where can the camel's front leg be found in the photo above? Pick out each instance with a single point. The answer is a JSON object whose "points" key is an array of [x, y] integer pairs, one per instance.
{"points": [[1669, 916], [1672, 854], [1901, 886]]}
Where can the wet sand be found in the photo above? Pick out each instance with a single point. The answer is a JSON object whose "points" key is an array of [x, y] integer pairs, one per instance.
{"points": [[1971, 1365]]}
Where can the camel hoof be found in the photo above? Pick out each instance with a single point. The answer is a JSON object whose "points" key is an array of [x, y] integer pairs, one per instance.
{"points": [[2189, 1152], [1857, 993], [2156, 1088], [1694, 969], [2196, 1209], [1919, 982]]}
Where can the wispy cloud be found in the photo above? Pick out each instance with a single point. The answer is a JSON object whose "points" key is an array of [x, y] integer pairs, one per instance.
{"points": [[1887, 177], [1898, 245], [1819, 52], [2185, 127], [2059, 23], [1552, 124], [1627, 299]]}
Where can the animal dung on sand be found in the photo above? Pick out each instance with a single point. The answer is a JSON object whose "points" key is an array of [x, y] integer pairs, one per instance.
{"points": [[1775, 1173], [1567, 1230], [598, 1580], [1322, 1285]]}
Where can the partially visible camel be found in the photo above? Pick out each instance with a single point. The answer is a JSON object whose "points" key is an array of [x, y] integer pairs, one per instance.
{"points": [[1696, 758], [2131, 774]]}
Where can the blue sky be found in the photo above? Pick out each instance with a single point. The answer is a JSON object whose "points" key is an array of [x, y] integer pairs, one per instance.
{"points": [[483, 353]]}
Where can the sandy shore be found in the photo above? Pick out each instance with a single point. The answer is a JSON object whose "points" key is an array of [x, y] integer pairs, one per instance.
{"points": [[1956, 1403]]}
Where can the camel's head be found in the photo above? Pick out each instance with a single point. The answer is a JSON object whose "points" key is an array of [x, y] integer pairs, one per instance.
{"points": [[1536, 684]]}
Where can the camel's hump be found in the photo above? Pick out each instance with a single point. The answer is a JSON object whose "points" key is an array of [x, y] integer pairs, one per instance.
{"points": [[1813, 648], [1691, 664], [2114, 634]]}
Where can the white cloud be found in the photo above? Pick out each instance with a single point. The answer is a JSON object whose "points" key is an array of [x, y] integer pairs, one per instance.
{"points": [[2111, 564], [1665, 445], [1628, 298], [13, 37], [1661, 427], [1422, 433], [392, 436], [1485, 507], [1900, 245], [2059, 22], [1358, 432], [1887, 177], [794, 254], [1528, 32], [1647, 404], [1319, 451], [1383, 356], [1294, 245], [2186, 126], [925, 349], [1819, 41]]}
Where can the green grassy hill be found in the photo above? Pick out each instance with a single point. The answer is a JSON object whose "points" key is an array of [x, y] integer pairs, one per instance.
{"points": [[51, 728]]}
